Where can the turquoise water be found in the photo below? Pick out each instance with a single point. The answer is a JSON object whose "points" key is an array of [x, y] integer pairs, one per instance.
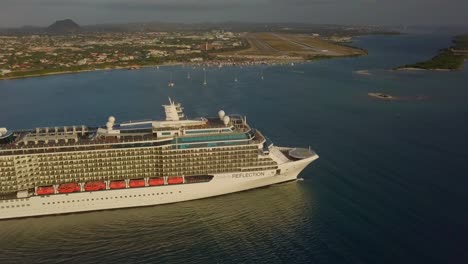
{"points": [[389, 187]]}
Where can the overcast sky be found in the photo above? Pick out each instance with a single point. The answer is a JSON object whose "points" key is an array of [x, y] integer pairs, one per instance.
{"points": [[15, 13]]}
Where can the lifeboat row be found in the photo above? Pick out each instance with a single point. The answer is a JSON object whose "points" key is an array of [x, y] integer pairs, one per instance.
{"points": [[100, 185]]}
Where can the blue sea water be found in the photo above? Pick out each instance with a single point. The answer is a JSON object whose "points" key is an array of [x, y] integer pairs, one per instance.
{"points": [[390, 185]]}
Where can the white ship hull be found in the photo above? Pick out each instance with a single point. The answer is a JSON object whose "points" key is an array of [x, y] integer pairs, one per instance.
{"points": [[148, 196]]}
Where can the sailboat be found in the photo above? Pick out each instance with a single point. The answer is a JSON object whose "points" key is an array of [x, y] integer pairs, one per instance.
{"points": [[204, 80], [188, 76], [171, 83], [261, 74]]}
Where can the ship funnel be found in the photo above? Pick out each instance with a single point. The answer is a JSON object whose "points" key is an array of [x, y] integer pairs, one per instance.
{"points": [[221, 115], [226, 120]]}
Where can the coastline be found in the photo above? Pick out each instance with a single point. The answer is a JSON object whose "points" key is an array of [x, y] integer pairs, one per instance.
{"points": [[130, 67], [449, 59], [414, 69], [267, 61]]}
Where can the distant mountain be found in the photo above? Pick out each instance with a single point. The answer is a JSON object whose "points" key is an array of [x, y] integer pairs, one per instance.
{"points": [[63, 27]]}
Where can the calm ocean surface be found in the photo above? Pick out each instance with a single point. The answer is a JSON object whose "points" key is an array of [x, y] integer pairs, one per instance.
{"points": [[390, 185]]}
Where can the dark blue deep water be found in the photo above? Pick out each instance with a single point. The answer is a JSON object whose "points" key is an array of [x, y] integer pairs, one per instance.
{"points": [[390, 185]]}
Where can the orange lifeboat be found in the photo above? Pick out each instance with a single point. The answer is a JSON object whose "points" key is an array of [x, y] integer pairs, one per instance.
{"points": [[94, 186], [69, 188], [137, 183], [117, 185], [175, 180], [44, 190], [156, 181]]}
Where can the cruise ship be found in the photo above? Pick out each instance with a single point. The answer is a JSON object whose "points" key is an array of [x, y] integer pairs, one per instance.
{"points": [[60, 170]]}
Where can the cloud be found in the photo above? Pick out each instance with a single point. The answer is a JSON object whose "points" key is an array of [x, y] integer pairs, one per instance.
{"points": [[169, 4], [20, 12]]}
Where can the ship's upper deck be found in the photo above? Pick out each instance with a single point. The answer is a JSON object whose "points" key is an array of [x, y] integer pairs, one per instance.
{"points": [[126, 134]]}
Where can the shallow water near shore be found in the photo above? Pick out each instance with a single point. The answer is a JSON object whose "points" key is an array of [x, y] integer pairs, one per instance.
{"points": [[389, 187]]}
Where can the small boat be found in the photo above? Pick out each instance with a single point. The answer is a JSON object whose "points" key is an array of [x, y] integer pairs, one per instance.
{"points": [[175, 180], [136, 183], [156, 181], [45, 190], [69, 188], [94, 186], [117, 185]]}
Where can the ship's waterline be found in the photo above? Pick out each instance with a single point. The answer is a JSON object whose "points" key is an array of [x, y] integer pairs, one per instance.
{"points": [[141, 163]]}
